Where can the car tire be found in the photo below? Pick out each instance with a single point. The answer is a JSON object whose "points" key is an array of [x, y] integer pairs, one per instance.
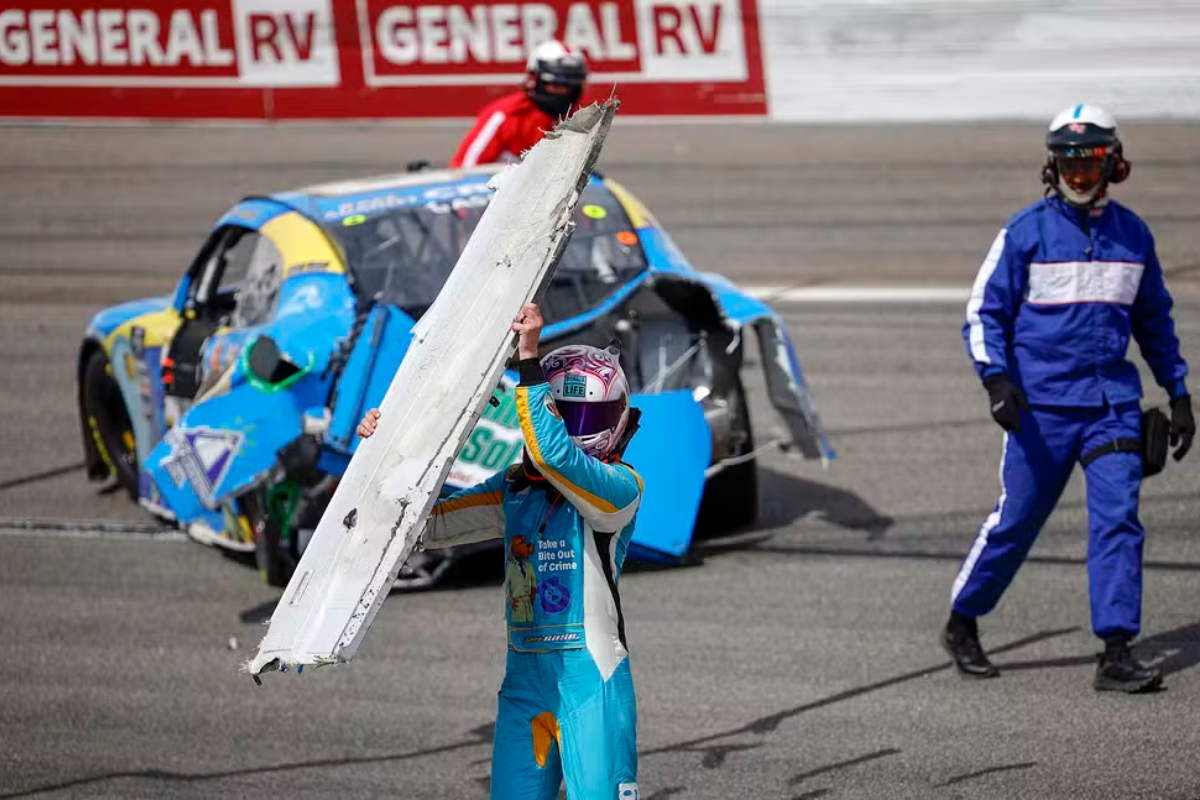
{"points": [[274, 565], [730, 500], [268, 557], [105, 411]]}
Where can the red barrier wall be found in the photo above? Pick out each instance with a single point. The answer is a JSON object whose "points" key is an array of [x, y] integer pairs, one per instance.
{"points": [[336, 59]]}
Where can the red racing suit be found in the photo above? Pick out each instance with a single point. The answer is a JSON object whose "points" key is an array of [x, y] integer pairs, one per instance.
{"points": [[507, 126]]}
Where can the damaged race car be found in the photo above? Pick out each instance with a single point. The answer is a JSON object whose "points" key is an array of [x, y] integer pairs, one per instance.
{"points": [[229, 407]]}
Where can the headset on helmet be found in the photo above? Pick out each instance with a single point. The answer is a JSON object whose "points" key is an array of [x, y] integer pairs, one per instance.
{"points": [[555, 76], [591, 396], [1084, 131]]}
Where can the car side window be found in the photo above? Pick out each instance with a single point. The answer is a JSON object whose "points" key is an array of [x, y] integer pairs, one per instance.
{"points": [[227, 262], [237, 257], [258, 293], [240, 278]]}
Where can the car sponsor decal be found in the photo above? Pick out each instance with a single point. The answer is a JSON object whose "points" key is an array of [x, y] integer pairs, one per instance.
{"points": [[494, 444], [201, 456], [437, 199]]}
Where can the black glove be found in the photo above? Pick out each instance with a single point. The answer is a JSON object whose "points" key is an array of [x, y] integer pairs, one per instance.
{"points": [[1183, 425], [1006, 401]]}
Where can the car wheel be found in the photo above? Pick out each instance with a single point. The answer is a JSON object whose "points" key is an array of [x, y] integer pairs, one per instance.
{"points": [[108, 418], [272, 566], [270, 557], [730, 500]]}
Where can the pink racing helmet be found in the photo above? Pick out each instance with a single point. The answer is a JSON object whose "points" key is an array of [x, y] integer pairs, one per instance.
{"points": [[591, 395]]}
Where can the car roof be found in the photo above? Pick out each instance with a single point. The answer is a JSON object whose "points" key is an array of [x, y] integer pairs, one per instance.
{"points": [[337, 200], [408, 180]]}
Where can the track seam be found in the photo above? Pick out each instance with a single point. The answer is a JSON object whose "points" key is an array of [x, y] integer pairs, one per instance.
{"points": [[61, 528]]}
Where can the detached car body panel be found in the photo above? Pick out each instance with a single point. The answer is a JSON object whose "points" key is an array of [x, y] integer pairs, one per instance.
{"points": [[229, 406]]}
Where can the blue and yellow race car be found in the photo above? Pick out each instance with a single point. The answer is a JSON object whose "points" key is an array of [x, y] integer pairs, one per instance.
{"points": [[229, 406]]}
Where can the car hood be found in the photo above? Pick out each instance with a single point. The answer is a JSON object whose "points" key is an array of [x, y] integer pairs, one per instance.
{"points": [[109, 319]]}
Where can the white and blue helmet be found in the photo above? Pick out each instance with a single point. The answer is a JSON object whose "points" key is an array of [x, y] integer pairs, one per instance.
{"points": [[1084, 132]]}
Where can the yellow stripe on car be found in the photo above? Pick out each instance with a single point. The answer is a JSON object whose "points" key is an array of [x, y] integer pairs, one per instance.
{"points": [[302, 244], [159, 327], [639, 215]]}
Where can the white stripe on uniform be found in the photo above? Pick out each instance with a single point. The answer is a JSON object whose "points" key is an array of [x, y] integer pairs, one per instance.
{"points": [[600, 617], [483, 139], [1067, 282], [985, 530], [978, 347]]}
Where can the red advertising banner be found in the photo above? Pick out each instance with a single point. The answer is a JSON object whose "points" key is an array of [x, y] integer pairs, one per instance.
{"points": [[337, 59]]}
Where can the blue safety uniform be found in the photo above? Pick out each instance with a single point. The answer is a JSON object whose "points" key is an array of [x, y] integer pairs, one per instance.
{"points": [[566, 706], [1056, 301]]}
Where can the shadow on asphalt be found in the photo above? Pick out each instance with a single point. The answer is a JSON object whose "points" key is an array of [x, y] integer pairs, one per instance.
{"points": [[784, 498], [712, 748], [1171, 651], [481, 735]]}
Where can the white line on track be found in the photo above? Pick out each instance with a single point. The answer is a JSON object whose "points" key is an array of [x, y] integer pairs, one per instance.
{"points": [[82, 529], [943, 295]]}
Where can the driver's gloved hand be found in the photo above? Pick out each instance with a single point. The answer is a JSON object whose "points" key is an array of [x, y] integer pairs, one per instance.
{"points": [[1183, 425], [1006, 401]]}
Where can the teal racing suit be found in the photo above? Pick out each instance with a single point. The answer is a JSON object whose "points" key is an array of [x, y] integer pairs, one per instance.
{"points": [[566, 707]]}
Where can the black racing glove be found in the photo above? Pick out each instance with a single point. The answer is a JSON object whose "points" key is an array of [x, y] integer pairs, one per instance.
{"points": [[1183, 425], [1006, 401]]}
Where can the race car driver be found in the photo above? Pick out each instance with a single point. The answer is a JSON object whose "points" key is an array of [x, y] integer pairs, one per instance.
{"points": [[1066, 283], [555, 78], [567, 706]]}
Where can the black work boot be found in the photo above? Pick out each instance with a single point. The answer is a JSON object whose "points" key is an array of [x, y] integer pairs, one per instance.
{"points": [[960, 637], [1118, 671]]}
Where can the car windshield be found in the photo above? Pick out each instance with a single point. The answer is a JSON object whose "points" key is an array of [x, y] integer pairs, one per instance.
{"points": [[404, 256]]}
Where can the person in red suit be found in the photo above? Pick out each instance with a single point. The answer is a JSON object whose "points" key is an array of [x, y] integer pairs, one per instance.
{"points": [[507, 127]]}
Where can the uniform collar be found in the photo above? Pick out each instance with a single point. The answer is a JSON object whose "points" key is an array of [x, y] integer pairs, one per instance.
{"points": [[1091, 216]]}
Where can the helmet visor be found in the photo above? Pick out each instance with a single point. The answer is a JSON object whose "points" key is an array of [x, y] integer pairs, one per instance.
{"points": [[1081, 174], [586, 419]]}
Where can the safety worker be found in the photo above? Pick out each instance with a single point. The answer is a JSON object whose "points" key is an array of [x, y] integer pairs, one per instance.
{"points": [[566, 706], [555, 77], [1065, 284]]}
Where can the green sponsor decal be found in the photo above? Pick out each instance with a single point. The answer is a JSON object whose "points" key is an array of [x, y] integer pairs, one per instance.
{"points": [[489, 448], [486, 450], [504, 414]]}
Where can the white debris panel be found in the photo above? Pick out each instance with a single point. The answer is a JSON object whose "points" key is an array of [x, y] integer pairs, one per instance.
{"points": [[457, 356]]}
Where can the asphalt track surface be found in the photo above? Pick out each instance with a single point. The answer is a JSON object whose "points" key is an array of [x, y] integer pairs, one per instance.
{"points": [[797, 661]]}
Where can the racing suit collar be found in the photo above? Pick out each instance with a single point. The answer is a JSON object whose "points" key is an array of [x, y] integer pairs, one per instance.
{"points": [[1083, 217], [527, 476], [529, 471]]}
